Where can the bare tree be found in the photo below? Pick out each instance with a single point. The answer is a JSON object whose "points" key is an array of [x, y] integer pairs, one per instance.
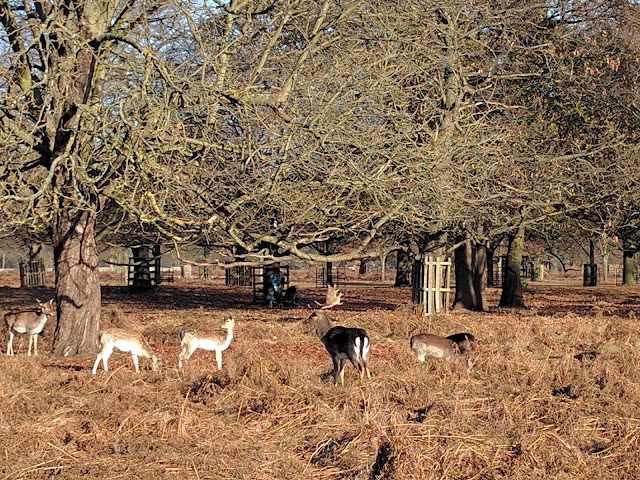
{"points": [[250, 124]]}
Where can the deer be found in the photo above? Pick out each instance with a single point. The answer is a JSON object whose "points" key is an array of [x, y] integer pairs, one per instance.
{"points": [[30, 322], [462, 341], [124, 340], [217, 341], [425, 345], [342, 343]]}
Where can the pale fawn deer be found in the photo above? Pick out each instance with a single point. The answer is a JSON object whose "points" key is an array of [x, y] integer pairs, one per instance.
{"points": [[126, 341], [30, 322], [216, 341], [425, 345]]}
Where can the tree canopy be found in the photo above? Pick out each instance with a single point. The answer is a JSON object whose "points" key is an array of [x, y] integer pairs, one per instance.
{"points": [[240, 124]]}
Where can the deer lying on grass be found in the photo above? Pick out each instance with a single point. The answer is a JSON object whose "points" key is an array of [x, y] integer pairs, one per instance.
{"points": [[217, 341], [425, 345], [30, 322], [342, 343], [125, 341]]}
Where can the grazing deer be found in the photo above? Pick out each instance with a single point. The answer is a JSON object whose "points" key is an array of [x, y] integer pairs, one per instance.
{"points": [[462, 341], [342, 343], [425, 345], [30, 322], [217, 341], [125, 341], [334, 298]]}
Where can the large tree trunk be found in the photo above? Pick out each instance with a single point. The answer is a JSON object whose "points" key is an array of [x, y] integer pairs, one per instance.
{"points": [[628, 268], [512, 295], [77, 281], [79, 81], [403, 269], [471, 277]]}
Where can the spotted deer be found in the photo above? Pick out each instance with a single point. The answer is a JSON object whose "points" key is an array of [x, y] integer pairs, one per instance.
{"points": [[425, 345], [126, 341], [216, 341], [30, 322]]}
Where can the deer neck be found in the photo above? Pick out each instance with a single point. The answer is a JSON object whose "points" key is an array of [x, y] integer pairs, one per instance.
{"points": [[323, 325], [227, 341], [42, 317]]}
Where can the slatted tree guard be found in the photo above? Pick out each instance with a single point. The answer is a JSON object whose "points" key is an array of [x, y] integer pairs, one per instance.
{"points": [[240, 276], [144, 267], [261, 280], [32, 273], [431, 283]]}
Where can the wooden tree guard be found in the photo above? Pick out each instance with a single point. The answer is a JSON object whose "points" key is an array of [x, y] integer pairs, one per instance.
{"points": [[240, 276], [431, 281], [32, 274], [144, 268]]}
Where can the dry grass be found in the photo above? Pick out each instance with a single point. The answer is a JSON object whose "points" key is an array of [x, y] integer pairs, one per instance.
{"points": [[553, 393]]}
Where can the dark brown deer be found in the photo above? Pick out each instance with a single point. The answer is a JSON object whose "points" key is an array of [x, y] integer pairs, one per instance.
{"points": [[342, 343]]}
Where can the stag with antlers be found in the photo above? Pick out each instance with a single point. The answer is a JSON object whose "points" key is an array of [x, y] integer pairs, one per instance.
{"points": [[342, 343]]}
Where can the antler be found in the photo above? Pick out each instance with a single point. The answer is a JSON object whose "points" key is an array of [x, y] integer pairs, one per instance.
{"points": [[334, 298]]}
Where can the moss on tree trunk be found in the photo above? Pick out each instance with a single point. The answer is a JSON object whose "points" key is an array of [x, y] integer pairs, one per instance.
{"points": [[512, 294]]}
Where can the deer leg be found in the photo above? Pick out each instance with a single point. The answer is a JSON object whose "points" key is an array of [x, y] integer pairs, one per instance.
{"points": [[182, 356], [35, 344], [336, 369], [356, 362], [219, 359], [30, 343], [343, 363], [364, 369], [105, 359], [95, 364], [135, 362], [185, 354], [10, 344]]}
